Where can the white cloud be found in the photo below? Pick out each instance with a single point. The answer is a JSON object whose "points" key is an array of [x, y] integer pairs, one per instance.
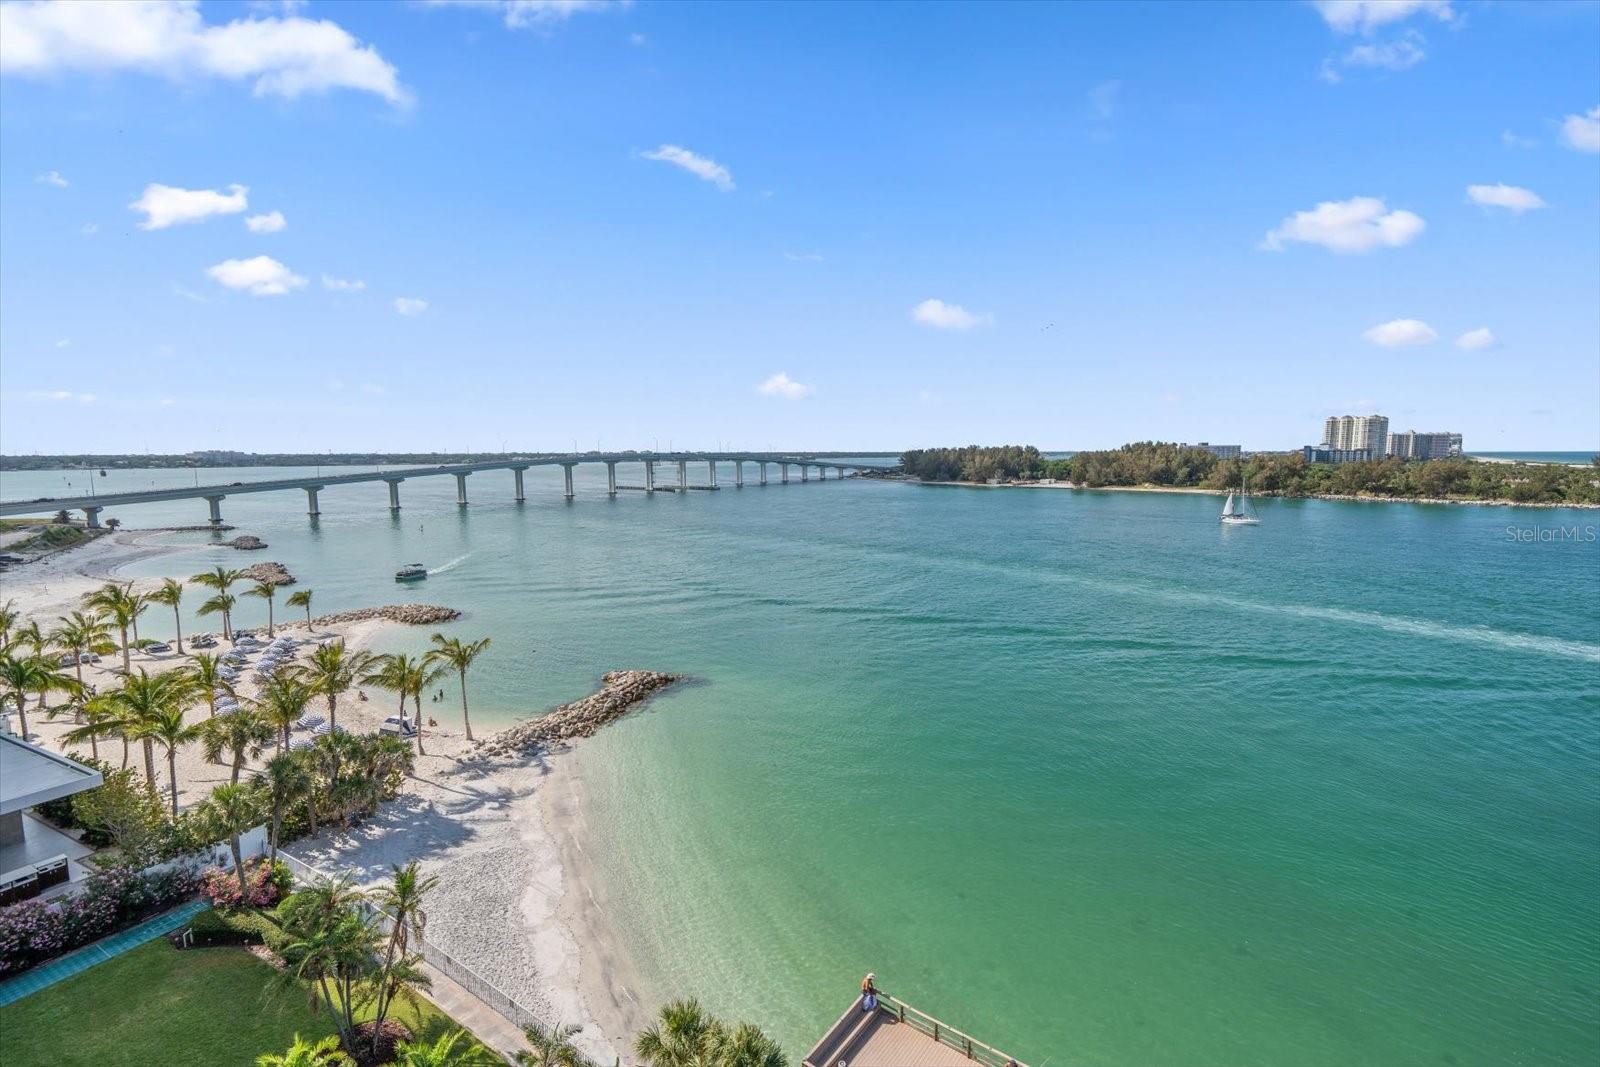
{"points": [[271, 222], [1350, 16], [1512, 140], [1359, 224], [522, 14], [89, 229], [343, 285], [1472, 340], [1402, 333], [63, 343], [279, 56], [638, 39], [52, 177], [260, 276], [1103, 100], [701, 167], [803, 257], [61, 396], [942, 316], [1401, 54], [410, 305], [167, 205], [1513, 198], [782, 385], [187, 293], [1582, 131]]}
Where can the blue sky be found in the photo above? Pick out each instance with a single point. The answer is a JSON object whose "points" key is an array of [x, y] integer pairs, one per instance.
{"points": [[802, 226]]}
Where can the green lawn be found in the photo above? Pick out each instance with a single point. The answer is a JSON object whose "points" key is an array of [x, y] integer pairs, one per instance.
{"points": [[204, 1007]]}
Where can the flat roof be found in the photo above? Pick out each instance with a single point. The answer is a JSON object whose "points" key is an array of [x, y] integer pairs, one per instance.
{"points": [[31, 775]]}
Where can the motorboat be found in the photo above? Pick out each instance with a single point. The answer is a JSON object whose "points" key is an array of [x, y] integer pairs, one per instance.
{"points": [[411, 572]]}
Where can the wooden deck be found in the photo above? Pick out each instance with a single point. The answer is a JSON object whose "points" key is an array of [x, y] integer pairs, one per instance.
{"points": [[894, 1036]]}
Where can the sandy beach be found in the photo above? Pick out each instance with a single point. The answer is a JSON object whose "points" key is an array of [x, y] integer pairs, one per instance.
{"points": [[504, 835]]}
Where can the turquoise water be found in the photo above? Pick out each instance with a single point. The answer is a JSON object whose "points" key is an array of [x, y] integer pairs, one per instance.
{"points": [[1573, 458], [1082, 773]]}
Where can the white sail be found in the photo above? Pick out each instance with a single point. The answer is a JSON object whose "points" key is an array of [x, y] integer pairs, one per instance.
{"points": [[1229, 509]]}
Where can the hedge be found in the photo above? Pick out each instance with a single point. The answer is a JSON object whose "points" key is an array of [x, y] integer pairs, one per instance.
{"points": [[215, 927]]}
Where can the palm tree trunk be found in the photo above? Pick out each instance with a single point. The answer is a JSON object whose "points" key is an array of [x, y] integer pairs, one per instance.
{"points": [[238, 860], [308, 617], [177, 625], [124, 752], [150, 765], [269, 616], [417, 699], [172, 776], [127, 666], [333, 710], [277, 828], [238, 765], [22, 713], [465, 721], [94, 748], [77, 708]]}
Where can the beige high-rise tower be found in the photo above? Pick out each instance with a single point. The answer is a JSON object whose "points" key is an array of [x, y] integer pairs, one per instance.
{"points": [[1349, 432]]}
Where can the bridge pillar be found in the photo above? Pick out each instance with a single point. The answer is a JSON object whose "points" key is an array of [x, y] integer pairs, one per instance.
{"points": [[683, 474], [394, 493], [91, 518], [461, 490], [805, 472], [311, 500], [711, 469], [649, 475], [567, 471], [784, 467], [763, 472], [215, 503], [822, 474], [738, 474], [611, 477], [516, 473]]}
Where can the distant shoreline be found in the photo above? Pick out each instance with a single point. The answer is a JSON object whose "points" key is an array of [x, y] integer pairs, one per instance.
{"points": [[1197, 490]]}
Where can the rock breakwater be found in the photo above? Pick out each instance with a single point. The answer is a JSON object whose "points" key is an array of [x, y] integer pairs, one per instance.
{"points": [[270, 573], [410, 614], [247, 542], [619, 692]]}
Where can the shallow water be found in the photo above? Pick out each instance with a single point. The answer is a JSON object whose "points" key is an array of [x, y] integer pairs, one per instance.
{"points": [[1083, 773]]}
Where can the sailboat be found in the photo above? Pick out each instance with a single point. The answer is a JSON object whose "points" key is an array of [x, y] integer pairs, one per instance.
{"points": [[1239, 512]]}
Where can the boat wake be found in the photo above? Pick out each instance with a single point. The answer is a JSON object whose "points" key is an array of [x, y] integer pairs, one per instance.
{"points": [[452, 565]]}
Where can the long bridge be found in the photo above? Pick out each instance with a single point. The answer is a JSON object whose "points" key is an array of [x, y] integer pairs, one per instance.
{"points": [[214, 495]]}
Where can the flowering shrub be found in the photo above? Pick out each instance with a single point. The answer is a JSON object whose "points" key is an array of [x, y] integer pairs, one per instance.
{"points": [[265, 883], [37, 930]]}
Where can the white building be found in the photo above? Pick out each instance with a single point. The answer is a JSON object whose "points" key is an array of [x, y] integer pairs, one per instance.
{"points": [[1350, 433], [1413, 445]]}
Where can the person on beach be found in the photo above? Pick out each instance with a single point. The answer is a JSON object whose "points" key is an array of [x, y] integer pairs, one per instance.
{"points": [[869, 993]]}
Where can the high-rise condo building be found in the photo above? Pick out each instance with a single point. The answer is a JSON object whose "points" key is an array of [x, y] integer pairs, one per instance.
{"points": [[1350, 433], [1414, 445]]}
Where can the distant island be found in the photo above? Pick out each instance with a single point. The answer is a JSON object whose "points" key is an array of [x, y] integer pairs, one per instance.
{"points": [[1163, 465]]}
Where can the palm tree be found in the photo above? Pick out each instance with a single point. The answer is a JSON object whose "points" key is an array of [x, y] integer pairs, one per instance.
{"points": [[100, 719], [336, 955], [140, 604], [450, 652], [220, 579], [232, 811], [121, 605], [325, 1053], [22, 673], [454, 1049], [685, 1036], [170, 593], [282, 700], [206, 670], [301, 598], [80, 633], [407, 676], [221, 604], [403, 901], [284, 782], [333, 670], [265, 591], [168, 727], [243, 734], [8, 619], [551, 1048], [144, 702]]}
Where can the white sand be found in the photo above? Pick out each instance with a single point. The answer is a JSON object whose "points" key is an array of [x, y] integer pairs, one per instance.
{"points": [[513, 902]]}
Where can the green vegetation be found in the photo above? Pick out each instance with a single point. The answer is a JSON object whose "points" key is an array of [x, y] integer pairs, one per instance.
{"points": [[684, 1035], [1271, 473], [52, 538], [973, 463], [157, 1005]]}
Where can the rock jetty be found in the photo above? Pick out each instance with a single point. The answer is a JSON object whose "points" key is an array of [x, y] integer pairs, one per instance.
{"points": [[271, 573], [619, 692], [411, 614], [247, 542]]}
